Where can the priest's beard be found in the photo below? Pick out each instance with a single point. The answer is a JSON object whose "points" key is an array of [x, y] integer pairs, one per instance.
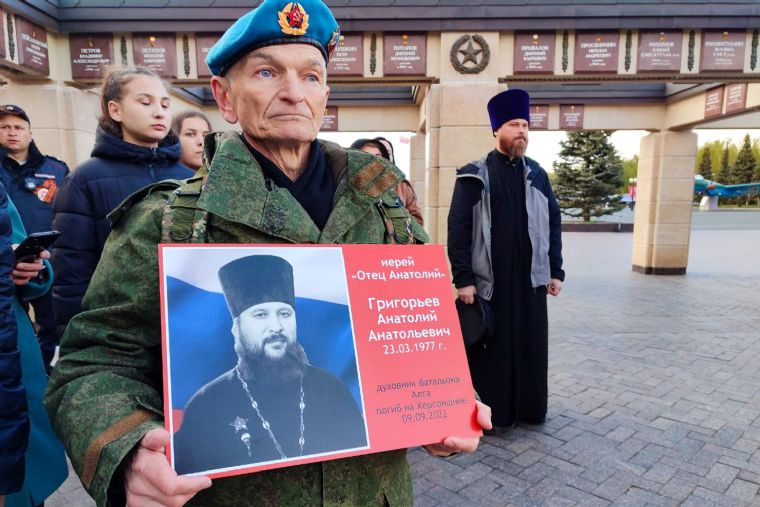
{"points": [[514, 148], [257, 367]]}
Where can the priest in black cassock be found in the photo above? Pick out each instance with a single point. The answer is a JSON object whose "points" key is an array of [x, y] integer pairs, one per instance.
{"points": [[505, 246], [273, 405]]}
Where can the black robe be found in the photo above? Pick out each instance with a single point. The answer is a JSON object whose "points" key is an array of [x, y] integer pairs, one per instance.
{"points": [[509, 372], [208, 438]]}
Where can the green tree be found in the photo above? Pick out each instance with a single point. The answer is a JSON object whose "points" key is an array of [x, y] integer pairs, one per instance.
{"points": [[589, 174], [630, 170], [715, 149], [756, 151], [744, 168], [705, 165], [724, 169]]}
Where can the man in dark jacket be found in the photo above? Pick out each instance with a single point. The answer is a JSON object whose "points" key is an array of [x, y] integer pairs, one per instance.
{"points": [[31, 180], [505, 247]]}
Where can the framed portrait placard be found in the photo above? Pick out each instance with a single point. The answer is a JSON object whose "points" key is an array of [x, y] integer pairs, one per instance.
{"points": [[277, 355]]}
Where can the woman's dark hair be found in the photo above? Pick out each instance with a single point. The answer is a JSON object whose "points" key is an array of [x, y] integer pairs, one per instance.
{"points": [[388, 148], [359, 143], [113, 89], [184, 115]]}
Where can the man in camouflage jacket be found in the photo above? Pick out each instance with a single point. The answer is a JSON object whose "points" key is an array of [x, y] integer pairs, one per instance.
{"points": [[106, 391], [272, 183]]}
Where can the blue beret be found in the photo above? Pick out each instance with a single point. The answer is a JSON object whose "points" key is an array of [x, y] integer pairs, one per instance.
{"points": [[276, 22], [508, 105], [257, 279]]}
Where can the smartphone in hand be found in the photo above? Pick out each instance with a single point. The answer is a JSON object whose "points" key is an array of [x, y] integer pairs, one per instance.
{"points": [[34, 244]]}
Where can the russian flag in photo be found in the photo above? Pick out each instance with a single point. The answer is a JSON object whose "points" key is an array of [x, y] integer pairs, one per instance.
{"points": [[201, 345]]}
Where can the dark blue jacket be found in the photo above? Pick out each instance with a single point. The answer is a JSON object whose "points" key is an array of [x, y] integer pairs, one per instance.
{"points": [[45, 460], [14, 419], [33, 186], [116, 170]]}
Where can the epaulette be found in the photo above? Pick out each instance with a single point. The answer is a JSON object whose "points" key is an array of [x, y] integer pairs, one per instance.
{"points": [[376, 178], [54, 159], [120, 210]]}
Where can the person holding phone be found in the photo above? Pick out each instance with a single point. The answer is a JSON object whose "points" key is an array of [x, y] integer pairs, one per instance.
{"points": [[133, 148], [34, 463]]}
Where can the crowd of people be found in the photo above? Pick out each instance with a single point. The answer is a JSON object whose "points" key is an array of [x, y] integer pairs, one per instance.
{"points": [[98, 287]]}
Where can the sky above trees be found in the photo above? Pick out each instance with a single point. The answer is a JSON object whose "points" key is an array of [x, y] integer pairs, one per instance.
{"points": [[544, 146]]}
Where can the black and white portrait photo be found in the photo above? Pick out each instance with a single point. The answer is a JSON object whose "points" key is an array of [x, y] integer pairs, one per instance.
{"points": [[268, 400]]}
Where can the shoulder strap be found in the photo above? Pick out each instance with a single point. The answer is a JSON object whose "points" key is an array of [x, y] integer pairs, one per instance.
{"points": [[400, 227], [183, 221]]}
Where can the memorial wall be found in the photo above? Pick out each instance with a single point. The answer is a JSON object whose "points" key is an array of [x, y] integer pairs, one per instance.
{"points": [[645, 54], [30, 54], [542, 56]]}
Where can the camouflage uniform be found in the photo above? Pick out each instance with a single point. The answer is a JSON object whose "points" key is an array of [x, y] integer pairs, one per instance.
{"points": [[106, 391]]}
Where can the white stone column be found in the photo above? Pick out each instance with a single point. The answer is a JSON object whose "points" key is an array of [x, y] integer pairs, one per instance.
{"points": [[458, 132], [416, 174], [456, 121], [664, 194]]}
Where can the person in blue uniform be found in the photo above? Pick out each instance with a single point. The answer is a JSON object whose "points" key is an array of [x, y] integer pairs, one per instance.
{"points": [[273, 405], [32, 181]]}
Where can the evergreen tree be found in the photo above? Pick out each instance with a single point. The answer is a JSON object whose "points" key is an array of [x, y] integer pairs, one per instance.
{"points": [[744, 168], [715, 150], [722, 176], [589, 173], [705, 166], [756, 153]]}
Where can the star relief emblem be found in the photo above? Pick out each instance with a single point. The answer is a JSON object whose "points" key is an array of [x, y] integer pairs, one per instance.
{"points": [[239, 424], [470, 53]]}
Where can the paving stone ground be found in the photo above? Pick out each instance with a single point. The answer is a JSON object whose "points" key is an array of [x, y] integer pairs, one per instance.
{"points": [[654, 390]]}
